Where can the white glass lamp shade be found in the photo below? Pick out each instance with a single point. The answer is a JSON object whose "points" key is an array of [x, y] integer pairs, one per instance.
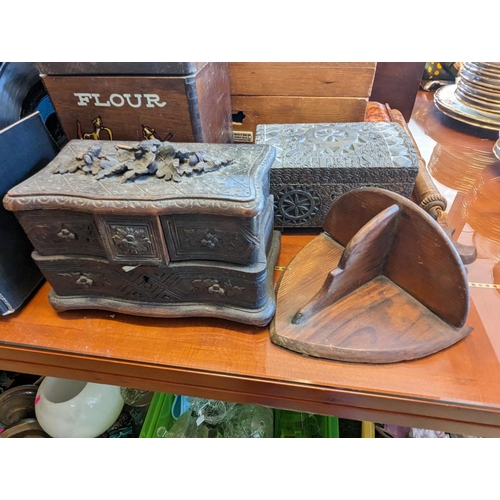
{"points": [[74, 409]]}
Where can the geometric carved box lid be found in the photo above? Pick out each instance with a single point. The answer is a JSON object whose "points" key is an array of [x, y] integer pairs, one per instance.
{"points": [[150, 177], [362, 145]]}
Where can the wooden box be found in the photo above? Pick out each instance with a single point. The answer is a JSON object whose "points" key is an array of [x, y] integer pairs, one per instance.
{"points": [[316, 163], [119, 68], [155, 229], [397, 84], [124, 105], [266, 93]]}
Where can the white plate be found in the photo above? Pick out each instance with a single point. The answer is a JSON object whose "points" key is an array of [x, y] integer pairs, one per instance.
{"points": [[446, 101], [496, 149], [480, 106], [481, 79]]}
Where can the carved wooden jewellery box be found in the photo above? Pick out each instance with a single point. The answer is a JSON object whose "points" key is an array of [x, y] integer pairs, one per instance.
{"points": [[155, 229], [316, 163]]}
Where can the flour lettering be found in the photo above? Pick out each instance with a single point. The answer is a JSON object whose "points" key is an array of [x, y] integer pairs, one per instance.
{"points": [[119, 100]]}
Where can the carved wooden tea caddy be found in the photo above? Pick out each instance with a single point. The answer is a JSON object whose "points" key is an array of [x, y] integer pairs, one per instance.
{"points": [[155, 229], [383, 283], [316, 163]]}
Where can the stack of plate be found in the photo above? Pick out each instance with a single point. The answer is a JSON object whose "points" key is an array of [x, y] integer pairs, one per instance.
{"points": [[475, 99], [479, 87]]}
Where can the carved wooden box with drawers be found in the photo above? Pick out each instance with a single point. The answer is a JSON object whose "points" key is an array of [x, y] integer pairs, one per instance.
{"points": [[316, 163], [155, 229]]}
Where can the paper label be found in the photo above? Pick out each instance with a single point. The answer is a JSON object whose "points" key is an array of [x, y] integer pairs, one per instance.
{"points": [[243, 137]]}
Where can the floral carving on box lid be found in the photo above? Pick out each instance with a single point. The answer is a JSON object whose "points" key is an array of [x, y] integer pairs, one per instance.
{"points": [[363, 145], [238, 187], [149, 158]]}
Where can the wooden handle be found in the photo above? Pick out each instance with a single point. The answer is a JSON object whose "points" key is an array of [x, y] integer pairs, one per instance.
{"points": [[425, 191], [430, 199]]}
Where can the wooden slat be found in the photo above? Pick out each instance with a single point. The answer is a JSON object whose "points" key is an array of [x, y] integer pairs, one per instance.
{"points": [[119, 68], [214, 101], [397, 84], [262, 110], [332, 79]]}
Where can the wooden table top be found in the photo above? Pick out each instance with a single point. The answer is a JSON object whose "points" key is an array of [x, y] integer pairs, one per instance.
{"points": [[456, 390]]}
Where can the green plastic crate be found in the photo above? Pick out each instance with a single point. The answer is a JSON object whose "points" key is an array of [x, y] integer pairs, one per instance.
{"points": [[159, 416], [292, 424], [287, 424]]}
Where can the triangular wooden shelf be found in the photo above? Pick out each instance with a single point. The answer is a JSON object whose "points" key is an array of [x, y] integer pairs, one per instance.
{"points": [[382, 284]]}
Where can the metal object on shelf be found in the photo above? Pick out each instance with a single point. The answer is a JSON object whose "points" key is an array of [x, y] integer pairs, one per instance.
{"points": [[26, 428], [17, 403], [476, 96]]}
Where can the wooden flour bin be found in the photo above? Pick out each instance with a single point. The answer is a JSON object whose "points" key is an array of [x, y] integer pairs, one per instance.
{"points": [[112, 101]]}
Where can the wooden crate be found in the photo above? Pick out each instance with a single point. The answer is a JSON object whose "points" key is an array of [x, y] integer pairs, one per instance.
{"points": [[184, 108], [265, 93]]}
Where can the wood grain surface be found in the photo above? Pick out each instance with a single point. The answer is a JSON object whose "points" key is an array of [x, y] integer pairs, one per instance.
{"points": [[319, 79], [373, 297], [362, 260], [397, 84], [214, 104], [286, 109], [422, 259]]}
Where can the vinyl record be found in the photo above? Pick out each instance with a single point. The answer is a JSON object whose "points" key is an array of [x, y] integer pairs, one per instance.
{"points": [[22, 93], [16, 80]]}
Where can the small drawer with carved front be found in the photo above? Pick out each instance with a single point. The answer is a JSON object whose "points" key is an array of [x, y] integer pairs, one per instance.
{"points": [[133, 240], [176, 284], [214, 237], [61, 232]]}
